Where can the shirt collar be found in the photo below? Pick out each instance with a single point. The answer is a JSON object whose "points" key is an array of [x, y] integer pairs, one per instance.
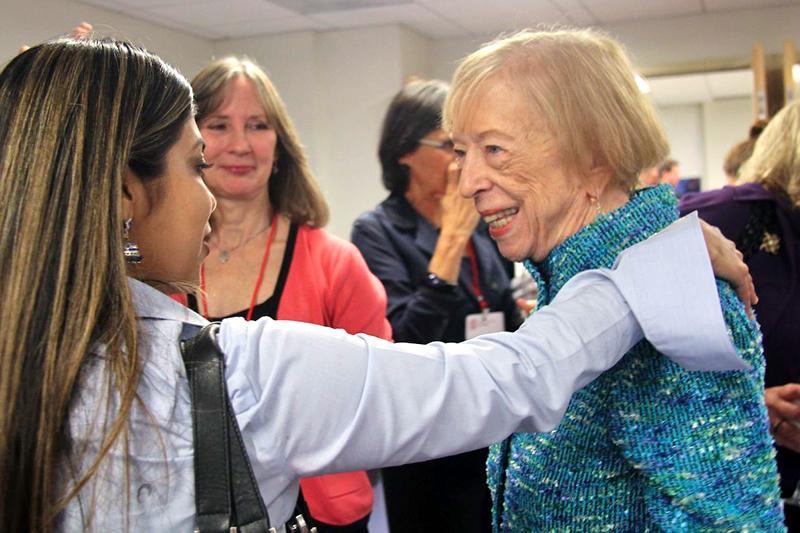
{"points": [[151, 303]]}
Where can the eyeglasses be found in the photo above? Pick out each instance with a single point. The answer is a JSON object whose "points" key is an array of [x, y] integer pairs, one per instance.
{"points": [[446, 145]]}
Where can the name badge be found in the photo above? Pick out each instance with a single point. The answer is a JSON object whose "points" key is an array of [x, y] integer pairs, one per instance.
{"points": [[483, 323]]}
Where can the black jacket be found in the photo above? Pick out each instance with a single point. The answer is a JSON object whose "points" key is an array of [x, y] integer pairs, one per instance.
{"points": [[398, 243]]}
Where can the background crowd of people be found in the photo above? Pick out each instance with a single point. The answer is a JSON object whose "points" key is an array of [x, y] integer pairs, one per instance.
{"points": [[619, 404]]}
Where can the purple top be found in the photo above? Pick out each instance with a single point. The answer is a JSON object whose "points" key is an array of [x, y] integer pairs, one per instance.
{"points": [[776, 279]]}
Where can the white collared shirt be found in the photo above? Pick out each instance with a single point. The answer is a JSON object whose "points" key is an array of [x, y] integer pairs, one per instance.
{"points": [[312, 400]]}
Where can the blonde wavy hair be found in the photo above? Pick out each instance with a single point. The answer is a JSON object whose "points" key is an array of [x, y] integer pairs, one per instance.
{"points": [[582, 83], [775, 162], [293, 190]]}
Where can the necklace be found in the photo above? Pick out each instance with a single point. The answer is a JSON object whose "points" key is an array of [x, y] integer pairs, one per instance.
{"points": [[225, 255], [203, 296]]}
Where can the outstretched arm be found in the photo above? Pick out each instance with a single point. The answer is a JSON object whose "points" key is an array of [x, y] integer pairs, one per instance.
{"points": [[329, 401]]}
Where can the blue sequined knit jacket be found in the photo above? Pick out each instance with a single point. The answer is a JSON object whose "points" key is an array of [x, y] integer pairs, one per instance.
{"points": [[647, 446]]}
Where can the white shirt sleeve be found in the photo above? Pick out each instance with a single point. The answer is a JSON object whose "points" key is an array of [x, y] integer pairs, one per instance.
{"points": [[326, 401]]}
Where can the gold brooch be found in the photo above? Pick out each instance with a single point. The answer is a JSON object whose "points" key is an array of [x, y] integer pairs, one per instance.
{"points": [[770, 243]]}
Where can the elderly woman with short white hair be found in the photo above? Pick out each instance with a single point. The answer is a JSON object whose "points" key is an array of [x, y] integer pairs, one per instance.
{"points": [[551, 134]]}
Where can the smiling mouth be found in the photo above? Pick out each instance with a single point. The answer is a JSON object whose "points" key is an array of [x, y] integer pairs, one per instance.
{"points": [[501, 218], [238, 169]]}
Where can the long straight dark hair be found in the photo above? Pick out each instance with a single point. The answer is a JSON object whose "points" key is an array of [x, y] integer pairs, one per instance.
{"points": [[74, 117]]}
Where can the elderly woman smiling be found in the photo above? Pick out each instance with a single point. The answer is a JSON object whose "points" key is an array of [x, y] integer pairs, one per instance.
{"points": [[551, 134]]}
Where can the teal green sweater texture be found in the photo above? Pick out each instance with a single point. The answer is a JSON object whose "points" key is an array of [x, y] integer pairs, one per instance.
{"points": [[647, 446]]}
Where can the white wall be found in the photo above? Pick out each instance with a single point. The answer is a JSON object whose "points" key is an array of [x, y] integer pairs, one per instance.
{"points": [[727, 122], [415, 54], [700, 135], [34, 21], [337, 86], [684, 128]]}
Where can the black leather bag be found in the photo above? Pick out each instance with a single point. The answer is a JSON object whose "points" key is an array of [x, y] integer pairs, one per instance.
{"points": [[226, 493]]}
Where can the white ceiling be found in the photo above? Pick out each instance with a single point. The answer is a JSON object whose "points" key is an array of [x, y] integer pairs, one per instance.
{"points": [[699, 88], [438, 19]]}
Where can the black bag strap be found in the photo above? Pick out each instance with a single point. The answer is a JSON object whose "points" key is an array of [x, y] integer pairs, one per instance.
{"points": [[226, 493]]}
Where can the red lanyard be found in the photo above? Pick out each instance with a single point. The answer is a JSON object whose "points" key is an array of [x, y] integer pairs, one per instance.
{"points": [[476, 288], [204, 298]]}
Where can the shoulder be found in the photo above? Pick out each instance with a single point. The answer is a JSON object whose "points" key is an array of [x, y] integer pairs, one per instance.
{"points": [[394, 213], [373, 217], [321, 241], [699, 200], [727, 208], [381, 220], [315, 235], [324, 248], [729, 197]]}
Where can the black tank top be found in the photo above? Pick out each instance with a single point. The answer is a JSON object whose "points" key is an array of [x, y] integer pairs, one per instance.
{"points": [[268, 307]]}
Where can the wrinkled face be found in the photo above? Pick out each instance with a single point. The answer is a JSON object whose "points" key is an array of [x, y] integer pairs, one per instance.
{"points": [[171, 213], [240, 143], [428, 164], [511, 167]]}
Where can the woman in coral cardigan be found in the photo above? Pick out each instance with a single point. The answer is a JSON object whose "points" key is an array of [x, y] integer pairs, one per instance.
{"points": [[269, 255]]}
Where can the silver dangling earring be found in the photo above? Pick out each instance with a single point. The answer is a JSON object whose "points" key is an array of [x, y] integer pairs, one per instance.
{"points": [[274, 168], [130, 250]]}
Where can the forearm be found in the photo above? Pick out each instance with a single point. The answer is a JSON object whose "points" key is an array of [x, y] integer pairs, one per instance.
{"points": [[446, 259], [371, 403]]}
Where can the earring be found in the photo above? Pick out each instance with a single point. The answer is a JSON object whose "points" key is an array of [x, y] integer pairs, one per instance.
{"points": [[130, 250], [596, 203], [274, 168]]}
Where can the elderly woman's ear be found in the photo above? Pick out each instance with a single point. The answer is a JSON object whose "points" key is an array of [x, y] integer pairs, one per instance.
{"points": [[599, 178]]}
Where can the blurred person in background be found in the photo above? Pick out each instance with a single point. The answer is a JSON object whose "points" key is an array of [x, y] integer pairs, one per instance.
{"points": [[762, 215], [269, 254], [649, 176], [445, 281], [669, 172], [741, 152]]}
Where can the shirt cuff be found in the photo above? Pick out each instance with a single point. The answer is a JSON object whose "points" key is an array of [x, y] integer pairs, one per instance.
{"points": [[668, 282]]}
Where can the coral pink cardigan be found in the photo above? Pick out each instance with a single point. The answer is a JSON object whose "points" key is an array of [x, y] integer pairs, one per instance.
{"points": [[330, 284]]}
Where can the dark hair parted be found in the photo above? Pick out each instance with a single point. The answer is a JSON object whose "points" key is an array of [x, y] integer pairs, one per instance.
{"points": [[414, 112], [75, 116], [293, 191]]}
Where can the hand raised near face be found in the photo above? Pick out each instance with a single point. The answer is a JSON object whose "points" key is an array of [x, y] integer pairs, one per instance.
{"points": [[459, 215], [728, 264]]}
